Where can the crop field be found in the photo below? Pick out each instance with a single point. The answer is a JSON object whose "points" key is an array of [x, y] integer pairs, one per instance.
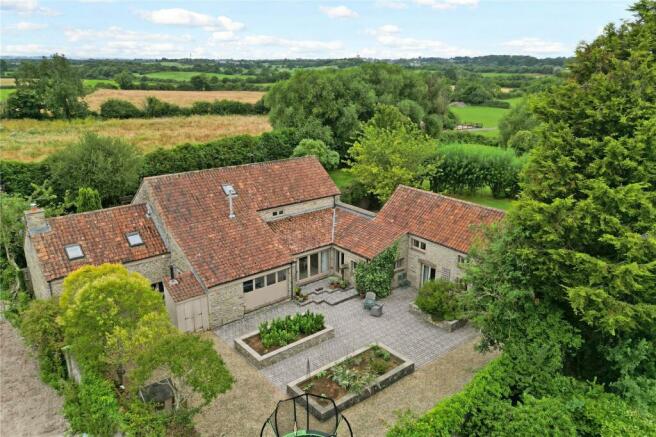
{"points": [[181, 98], [187, 75], [7, 81], [33, 140], [5, 92]]}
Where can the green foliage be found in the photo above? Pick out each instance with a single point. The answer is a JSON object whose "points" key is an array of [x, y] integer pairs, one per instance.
{"points": [[448, 137], [519, 118], [39, 327], [467, 168], [87, 199], [439, 298], [92, 407], [282, 331], [383, 158], [95, 302], [475, 92], [188, 357], [376, 275], [49, 88], [340, 100], [124, 79], [118, 108], [18, 177], [141, 419], [328, 158], [351, 379], [106, 164]]}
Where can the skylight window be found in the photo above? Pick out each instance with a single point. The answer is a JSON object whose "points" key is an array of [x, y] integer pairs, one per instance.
{"points": [[74, 251], [134, 239], [229, 190]]}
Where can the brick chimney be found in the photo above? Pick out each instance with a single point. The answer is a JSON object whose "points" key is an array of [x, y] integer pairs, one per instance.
{"points": [[35, 220]]}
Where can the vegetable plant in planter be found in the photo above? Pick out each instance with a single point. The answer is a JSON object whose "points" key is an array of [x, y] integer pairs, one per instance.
{"points": [[282, 331]]}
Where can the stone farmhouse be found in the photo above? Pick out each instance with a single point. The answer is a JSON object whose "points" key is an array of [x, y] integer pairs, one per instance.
{"points": [[222, 242]]}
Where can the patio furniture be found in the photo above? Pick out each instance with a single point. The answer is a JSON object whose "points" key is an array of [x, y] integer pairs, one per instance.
{"points": [[376, 310], [369, 300]]}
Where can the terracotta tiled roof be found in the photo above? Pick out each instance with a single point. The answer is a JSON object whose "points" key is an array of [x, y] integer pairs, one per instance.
{"points": [[369, 237], [184, 287], [102, 237], [195, 212], [443, 220], [313, 230]]}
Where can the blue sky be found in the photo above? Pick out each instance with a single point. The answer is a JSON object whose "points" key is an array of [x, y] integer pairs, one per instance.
{"points": [[301, 29]]}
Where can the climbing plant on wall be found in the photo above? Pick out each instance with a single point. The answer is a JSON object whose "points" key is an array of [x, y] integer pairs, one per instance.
{"points": [[376, 276]]}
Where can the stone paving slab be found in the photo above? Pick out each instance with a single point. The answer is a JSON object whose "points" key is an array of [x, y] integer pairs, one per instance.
{"points": [[398, 328]]}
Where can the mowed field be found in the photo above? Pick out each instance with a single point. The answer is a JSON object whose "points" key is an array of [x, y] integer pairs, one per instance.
{"points": [[33, 140], [181, 98], [488, 116]]}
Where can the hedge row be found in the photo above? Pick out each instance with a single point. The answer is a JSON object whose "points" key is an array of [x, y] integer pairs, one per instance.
{"points": [[118, 108], [451, 136], [467, 168], [18, 177]]}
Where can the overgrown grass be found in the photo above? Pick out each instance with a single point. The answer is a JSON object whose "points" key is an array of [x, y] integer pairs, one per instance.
{"points": [[33, 140], [484, 197]]}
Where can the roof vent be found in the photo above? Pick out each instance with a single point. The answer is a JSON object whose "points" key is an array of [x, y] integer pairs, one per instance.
{"points": [[230, 191]]}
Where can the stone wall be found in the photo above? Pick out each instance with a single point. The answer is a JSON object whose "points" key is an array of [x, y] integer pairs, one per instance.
{"points": [[39, 284], [436, 256], [297, 208], [225, 303]]}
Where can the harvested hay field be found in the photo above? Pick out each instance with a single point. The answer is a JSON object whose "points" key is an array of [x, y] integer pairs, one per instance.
{"points": [[181, 98], [7, 81], [33, 140], [28, 407]]}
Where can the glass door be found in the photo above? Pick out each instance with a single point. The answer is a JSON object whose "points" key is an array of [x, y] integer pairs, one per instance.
{"points": [[427, 273]]}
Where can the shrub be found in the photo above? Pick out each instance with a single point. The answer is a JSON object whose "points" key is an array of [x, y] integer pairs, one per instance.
{"points": [[40, 329], [18, 177], [450, 136], [282, 331], [156, 108], [117, 108], [496, 104], [92, 406], [109, 165], [328, 158], [439, 298], [87, 199], [376, 276]]}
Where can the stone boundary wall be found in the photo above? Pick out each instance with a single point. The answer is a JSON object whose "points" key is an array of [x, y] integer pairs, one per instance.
{"points": [[273, 357], [447, 325], [383, 381]]}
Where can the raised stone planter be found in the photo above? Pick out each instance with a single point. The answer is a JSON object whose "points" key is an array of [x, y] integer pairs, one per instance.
{"points": [[279, 354], [447, 325], [322, 412]]}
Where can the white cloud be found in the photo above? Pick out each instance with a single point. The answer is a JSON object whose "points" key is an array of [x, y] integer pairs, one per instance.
{"points": [[293, 45], [24, 49], [25, 7], [391, 4], [115, 33], [534, 46], [446, 4], [393, 45], [184, 17], [25, 26], [223, 36], [338, 12]]}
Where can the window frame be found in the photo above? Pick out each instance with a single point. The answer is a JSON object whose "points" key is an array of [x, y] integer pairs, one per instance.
{"points": [[244, 287], [134, 234], [259, 280], [283, 274], [268, 276], [72, 246], [419, 245]]}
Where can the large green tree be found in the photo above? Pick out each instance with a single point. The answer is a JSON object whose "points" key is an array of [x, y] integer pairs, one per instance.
{"points": [[390, 151], [580, 245], [109, 165], [50, 87]]}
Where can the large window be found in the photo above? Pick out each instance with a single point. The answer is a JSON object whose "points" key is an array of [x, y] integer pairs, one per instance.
{"points": [[314, 264], [427, 273], [264, 281]]}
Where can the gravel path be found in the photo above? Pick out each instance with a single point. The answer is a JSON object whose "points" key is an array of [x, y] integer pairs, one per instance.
{"points": [[28, 407], [243, 410]]}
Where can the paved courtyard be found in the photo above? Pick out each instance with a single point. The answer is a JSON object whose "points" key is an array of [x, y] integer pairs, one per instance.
{"points": [[398, 328]]}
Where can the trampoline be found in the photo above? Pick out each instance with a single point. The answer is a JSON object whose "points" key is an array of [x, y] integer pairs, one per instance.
{"points": [[292, 419]]}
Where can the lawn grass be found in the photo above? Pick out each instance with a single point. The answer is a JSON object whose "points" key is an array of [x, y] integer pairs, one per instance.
{"points": [[485, 198], [486, 115], [33, 140], [5, 92], [90, 83], [187, 75], [342, 178]]}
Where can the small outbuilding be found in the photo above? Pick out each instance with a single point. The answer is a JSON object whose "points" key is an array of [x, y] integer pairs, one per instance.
{"points": [[186, 302], [161, 393]]}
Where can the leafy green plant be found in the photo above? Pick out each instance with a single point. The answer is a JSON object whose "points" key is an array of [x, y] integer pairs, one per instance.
{"points": [[379, 352], [92, 406], [282, 331], [376, 276], [378, 366], [439, 298]]}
